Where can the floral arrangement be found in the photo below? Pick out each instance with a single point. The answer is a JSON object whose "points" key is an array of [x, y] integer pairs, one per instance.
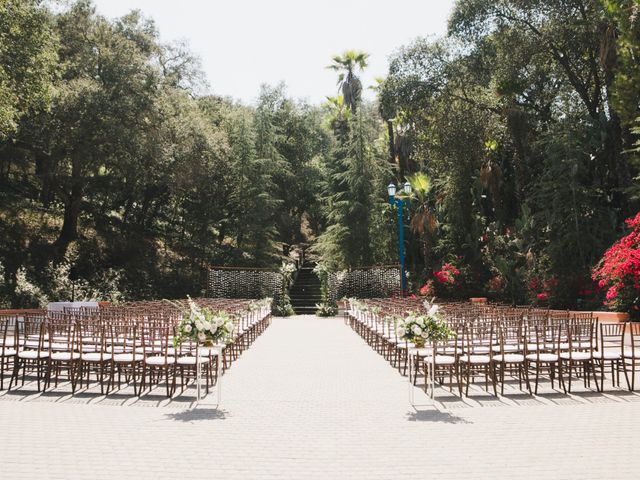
{"points": [[256, 305], [283, 307], [203, 325], [447, 274], [356, 304], [618, 272], [418, 328], [326, 310]]}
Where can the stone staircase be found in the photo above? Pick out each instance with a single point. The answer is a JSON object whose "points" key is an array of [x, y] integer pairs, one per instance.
{"points": [[305, 291]]}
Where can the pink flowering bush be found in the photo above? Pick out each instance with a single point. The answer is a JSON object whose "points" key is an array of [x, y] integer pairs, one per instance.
{"points": [[447, 274], [618, 272]]}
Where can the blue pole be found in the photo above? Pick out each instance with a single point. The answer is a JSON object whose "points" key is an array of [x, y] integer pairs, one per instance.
{"points": [[403, 273]]}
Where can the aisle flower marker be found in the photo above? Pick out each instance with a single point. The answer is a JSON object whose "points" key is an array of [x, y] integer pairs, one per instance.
{"points": [[204, 326], [419, 328]]}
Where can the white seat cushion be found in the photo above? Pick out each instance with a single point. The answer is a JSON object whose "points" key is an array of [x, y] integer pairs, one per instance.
{"points": [[480, 350], [126, 358], [543, 357], [508, 348], [424, 352], [480, 359], [8, 352], [509, 358], [441, 360], [208, 351], [65, 356], [96, 357], [579, 356], [191, 360], [160, 360], [33, 354], [629, 353], [607, 354]]}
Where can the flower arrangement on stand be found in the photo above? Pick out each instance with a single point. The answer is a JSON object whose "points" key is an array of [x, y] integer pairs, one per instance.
{"points": [[282, 306], [419, 328], [325, 308], [256, 305], [204, 326], [619, 271]]}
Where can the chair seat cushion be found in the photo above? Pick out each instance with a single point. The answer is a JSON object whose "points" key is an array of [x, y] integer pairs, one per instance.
{"points": [[189, 360], [630, 353], [480, 349], [542, 357], [33, 354], [160, 360], [8, 352], [479, 359], [509, 358], [65, 356], [96, 357], [441, 360], [208, 351], [126, 358], [508, 348], [580, 356], [607, 354]]}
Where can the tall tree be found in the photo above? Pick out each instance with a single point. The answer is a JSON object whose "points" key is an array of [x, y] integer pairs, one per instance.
{"points": [[347, 65]]}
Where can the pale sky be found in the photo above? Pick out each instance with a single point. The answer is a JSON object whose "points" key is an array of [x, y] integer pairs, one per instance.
{"points": [[244, 43]]}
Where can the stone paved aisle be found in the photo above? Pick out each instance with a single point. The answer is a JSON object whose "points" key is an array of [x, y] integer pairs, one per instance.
{"points": [[311, 400]]}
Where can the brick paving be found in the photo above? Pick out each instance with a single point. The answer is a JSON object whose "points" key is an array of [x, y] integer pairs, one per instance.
{"points": [[311, 400]]}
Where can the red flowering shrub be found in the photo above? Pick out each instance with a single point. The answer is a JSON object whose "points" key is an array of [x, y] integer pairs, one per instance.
{"points": [[618, 272], [540, 290], [447, 274]]}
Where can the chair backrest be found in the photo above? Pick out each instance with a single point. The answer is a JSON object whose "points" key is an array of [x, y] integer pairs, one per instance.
{"points": [[610, 336], [63, 336], [155, 339], [7, 333], [547, 338], [581, 335], [477, 339], [31, 332], [122, 337], [631, 338]]}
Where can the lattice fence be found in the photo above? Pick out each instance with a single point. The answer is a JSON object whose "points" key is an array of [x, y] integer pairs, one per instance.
{"points": [[232, 282], [369, 282]]}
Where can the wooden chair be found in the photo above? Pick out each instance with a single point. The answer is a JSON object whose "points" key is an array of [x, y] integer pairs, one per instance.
{"points": [[609, 350]]}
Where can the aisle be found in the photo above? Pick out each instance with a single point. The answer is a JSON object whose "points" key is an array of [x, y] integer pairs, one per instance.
{"points": [[311, 400]]}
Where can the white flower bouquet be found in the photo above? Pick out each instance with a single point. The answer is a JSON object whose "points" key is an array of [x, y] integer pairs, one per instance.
{"points": [[256, 305], [418, 328], [204, 326]]}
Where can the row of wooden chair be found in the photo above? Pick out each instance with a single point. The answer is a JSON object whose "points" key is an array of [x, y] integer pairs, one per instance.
{"points": [[498, 343], [130, 343]]}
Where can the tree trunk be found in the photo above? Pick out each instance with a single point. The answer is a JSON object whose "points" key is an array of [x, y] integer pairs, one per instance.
{"points": [[392, 145], [72, 205]]}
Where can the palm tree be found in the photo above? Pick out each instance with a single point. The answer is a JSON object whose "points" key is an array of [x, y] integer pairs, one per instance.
{"points": [[423, 219], [347, 64]]}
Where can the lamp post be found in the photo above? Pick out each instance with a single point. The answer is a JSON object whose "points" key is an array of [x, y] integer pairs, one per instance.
{"points": [[399, 202]]}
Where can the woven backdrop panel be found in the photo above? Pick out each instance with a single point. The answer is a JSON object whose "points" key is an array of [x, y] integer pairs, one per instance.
{"points": [[370, 282], [243, 283]]}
